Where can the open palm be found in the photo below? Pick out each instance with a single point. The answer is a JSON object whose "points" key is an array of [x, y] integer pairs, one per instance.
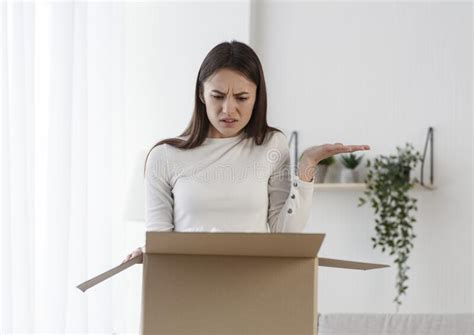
{"points": [[319, 152]]}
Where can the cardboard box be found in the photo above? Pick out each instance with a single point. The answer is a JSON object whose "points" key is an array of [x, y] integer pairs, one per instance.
{"points": [[230, 283]]}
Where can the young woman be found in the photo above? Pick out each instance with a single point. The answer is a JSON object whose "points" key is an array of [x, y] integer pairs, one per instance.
{"points": [[229, 170]]}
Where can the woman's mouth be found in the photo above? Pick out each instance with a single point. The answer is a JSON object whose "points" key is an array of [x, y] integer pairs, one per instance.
{"points": [[228, 122]]}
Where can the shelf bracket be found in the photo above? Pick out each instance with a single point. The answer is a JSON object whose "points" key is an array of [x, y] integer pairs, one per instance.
{"points": [[294, 135], [429, 142]]}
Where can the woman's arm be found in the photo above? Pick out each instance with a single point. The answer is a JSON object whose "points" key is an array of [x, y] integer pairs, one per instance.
{"points": [[290, 197], [158, 196]]}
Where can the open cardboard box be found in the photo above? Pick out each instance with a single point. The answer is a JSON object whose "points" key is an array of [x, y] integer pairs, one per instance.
{"points": [[230, 283]]}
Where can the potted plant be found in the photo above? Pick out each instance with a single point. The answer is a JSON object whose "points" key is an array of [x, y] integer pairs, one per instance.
{"points": [[322, 169], [387, 186], [350, 162]]}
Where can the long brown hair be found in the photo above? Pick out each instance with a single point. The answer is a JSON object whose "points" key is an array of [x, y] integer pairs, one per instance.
{"points": [[235, 56]]}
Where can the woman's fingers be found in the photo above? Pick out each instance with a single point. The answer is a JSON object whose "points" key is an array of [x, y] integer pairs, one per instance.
{"points": [[137, 252], [134, 254], [128, 258], [357, 147], [338, 148]]}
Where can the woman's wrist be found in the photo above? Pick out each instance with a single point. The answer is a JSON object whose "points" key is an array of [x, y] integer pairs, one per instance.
{"points": [[306, 169]]}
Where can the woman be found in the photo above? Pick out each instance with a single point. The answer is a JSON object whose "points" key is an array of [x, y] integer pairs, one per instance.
{"points": [[229, 170]]}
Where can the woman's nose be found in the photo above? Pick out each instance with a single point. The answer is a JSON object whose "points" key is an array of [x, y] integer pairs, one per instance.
{"points": [[229, 106]]}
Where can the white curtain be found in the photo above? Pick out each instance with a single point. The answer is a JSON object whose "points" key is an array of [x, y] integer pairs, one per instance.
{"points": [[62, 167]]}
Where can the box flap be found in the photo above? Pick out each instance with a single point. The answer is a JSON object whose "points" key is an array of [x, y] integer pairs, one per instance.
{"points": [[338, 263], [103, 276], [234, 244]]}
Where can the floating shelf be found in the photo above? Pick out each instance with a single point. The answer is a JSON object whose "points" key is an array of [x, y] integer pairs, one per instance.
{"points": [[360, 186]]}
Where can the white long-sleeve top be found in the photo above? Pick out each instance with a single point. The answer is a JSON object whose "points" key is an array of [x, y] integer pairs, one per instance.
{"points": [[226, 184]]}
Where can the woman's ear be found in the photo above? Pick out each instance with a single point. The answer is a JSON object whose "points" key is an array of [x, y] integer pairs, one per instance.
{"points": [[201, 97]]}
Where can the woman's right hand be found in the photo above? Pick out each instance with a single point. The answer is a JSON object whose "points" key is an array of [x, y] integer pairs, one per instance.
{"points": [[136, 253]]}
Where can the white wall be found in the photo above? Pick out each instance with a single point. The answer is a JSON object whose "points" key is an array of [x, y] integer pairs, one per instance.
{"points": [[472, 158], [380, 74], [354, 72]]}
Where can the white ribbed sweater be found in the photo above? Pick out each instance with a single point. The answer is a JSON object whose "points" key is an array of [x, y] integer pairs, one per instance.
{"points": [[226, 184]]}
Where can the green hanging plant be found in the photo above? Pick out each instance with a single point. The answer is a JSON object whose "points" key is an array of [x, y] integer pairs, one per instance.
{"points": [[387, 186]]}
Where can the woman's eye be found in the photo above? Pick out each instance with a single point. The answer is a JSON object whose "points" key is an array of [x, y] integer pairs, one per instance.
{"points": [[221, 97]]}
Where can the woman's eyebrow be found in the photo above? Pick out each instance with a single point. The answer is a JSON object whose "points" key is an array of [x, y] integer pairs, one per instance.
{"points": [[240, 93]]}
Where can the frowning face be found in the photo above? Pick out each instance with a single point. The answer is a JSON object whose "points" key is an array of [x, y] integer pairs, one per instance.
{"points": [[229, 97]]}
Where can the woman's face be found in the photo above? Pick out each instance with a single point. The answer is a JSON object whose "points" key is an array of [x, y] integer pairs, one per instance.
{"points": [[228, 95]]}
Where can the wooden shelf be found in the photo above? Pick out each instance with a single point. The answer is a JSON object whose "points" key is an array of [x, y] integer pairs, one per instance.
{"points": [[360, 186], [339, 186]]}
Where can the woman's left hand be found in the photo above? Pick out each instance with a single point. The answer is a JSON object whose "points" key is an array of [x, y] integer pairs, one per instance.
{"points": [[313, 155], [317, 153]]}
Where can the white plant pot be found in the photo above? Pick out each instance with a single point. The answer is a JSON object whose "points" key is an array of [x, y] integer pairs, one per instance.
{"points": [[349, 176]]}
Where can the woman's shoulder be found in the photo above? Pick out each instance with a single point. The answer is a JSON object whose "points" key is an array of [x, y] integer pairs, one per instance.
{"points": [[165, 152], [276, 138], [163, 148], [157, 155]]}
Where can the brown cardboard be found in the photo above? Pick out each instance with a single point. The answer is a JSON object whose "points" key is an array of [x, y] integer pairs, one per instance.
{"points": [[235, 244], [339, 263], [103, 276], [230, 283]]}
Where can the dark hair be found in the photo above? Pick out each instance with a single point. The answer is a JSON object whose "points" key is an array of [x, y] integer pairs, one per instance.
{"points": [[235, 56]]}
